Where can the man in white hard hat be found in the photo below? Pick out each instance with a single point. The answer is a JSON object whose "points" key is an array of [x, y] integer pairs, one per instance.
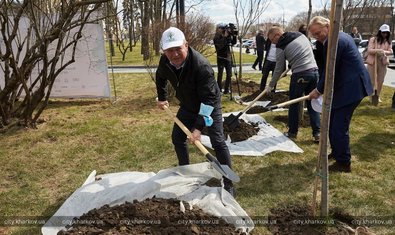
{"points": [[198, 93]]}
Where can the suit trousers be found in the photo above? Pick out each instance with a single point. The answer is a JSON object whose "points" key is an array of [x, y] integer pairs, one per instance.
{"points": [[339, 136]]}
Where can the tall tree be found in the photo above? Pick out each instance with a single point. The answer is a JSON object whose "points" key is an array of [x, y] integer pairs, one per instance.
{"points": [[246, 14]]}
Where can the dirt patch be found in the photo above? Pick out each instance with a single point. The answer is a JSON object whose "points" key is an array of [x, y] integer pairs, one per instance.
{"points": [[242, 132], [275, 98], [296, 220], [245, 86], [305, 122], [151, 216]]}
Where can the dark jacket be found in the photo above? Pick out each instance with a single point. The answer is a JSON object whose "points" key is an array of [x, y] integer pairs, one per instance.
{"points": [[222, 46], [195, 85], [352, 81], [260, 42]]}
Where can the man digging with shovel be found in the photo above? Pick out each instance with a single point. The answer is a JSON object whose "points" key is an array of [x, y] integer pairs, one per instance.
{"points": [[193, 79], [296, 48]]}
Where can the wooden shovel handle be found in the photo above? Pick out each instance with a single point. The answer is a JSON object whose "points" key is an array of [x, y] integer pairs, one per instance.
{"points": [[186, 130], [292, 101]]}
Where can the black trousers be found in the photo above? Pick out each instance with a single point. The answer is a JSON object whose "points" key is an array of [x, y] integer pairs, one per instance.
{"points": [[215, 132], [267, 67], [222, 64], [258, 60]]}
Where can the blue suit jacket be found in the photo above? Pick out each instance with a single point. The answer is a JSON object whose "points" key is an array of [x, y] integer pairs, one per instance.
{"points": [[352, 81]]}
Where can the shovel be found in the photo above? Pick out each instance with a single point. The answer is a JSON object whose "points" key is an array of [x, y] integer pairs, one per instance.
{"points": [[232, 121], [222, 169], [270, 108], [375, 96]]}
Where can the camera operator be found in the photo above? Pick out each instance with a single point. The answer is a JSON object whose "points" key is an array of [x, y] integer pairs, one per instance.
{"points": [[223, 41]]}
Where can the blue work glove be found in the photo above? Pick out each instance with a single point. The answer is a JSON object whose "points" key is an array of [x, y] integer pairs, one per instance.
{"points": [[205, 111]]}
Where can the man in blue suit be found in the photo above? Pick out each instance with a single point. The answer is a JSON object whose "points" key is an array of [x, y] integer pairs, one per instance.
{"points": [[351, 85]]}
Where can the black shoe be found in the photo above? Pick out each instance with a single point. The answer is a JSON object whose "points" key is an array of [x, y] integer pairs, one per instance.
{"points": [[290, 135], [340, 167], [253, 67], [330, 156], [231, 190], [316, 138]]}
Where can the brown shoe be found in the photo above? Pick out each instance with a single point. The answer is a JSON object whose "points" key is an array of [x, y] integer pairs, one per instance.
{"points": [[340, 167]]}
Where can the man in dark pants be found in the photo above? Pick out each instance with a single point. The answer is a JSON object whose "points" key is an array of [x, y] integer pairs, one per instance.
{"points": [[260, 47], [192, 77], [296, 48], [222, 43], [269, 64], [351, 84]]}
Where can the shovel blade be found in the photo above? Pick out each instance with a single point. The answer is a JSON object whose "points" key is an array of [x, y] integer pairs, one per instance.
{"points": [[375, 98], [224, 170], [232, 121]]}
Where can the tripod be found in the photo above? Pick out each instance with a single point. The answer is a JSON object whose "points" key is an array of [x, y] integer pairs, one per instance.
{"points": [[233, 64]]}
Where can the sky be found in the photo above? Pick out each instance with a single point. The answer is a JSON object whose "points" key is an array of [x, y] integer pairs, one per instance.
{"points": [[222, 11]]}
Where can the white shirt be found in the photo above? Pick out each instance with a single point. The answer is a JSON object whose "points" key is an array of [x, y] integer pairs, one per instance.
{"points": [[272, 53]]}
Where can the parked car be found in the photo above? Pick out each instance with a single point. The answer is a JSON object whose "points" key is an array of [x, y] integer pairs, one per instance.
{"points": [[363, 46], [248, 43], [392, 57], [238, 43]]}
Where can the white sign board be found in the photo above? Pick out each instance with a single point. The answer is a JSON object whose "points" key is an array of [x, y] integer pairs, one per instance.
{"points": [[87, 77]]}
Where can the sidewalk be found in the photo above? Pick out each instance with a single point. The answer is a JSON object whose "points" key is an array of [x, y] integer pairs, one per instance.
{"points": [[247, 68]]}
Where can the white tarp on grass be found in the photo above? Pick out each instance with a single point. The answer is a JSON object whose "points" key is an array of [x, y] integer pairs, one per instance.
{"points": [[267, 140], [185, 183]]}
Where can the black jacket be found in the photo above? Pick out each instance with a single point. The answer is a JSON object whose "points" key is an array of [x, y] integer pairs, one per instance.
{"points": [[222, 46], [260, 42], [195, 84]]}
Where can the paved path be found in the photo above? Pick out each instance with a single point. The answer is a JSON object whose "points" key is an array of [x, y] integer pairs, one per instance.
{"points": [[141, 69], [389, 78]]}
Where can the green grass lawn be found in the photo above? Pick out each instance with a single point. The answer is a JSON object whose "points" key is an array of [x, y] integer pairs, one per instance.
{"points": [[41, 167], [136, 58]]}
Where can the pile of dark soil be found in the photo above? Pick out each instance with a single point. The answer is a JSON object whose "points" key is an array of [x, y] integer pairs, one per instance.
{"points": [[297, 220], [241, 132], [151, 216]]}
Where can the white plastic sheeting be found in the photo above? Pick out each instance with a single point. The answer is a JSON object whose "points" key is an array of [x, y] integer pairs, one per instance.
{"points": [[185, 183], [267, 140]]}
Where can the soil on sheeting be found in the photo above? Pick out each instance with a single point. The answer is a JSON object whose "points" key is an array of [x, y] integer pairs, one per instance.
{"points": [[151, 216], [242, 132]]}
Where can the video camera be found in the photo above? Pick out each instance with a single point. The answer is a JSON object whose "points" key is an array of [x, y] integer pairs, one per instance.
{"points": [[232, 32]]}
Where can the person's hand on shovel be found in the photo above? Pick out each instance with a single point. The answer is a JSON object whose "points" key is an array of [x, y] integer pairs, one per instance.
{"points": [[162, 104], [196, 135], [314, 94]]}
